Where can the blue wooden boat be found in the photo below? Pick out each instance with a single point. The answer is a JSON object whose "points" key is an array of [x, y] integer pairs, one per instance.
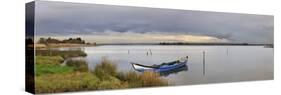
{"points": [[164, 67]]}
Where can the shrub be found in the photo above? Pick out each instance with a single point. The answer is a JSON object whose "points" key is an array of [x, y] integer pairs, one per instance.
{"points": [[111, 83], [146, 79], [105, 68], [152, 79], [78, 65], [131, 78]]}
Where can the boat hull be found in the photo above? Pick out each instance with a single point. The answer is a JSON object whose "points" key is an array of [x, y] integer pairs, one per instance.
{"points": [[164, 68]]}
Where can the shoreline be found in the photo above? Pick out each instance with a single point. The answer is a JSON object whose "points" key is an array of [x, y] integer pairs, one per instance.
{"points": [[60, 45], [67, 45]]}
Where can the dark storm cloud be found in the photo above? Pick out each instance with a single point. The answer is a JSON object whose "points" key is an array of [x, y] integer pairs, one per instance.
{"points": [[56, 18]]}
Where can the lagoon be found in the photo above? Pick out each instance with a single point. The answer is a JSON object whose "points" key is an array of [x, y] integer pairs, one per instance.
{"points": [[222, 63]]}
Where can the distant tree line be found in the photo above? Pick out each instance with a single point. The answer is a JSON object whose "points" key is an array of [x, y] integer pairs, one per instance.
{"points": [[211, 43], [186, 43], [56, 41]]}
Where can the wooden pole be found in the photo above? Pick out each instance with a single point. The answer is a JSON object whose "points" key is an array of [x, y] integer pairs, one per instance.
{"points": [[227, 51], [203, 62]]}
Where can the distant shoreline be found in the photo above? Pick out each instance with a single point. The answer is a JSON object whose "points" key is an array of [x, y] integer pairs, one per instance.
{"points": [[78, 42], [43, 46], [203, 44]]}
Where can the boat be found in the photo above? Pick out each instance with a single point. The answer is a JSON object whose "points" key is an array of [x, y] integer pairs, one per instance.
{"points": [[174, 71], [164, 67]]}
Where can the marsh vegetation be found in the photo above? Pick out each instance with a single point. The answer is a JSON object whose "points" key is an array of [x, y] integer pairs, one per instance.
{"points": [[51, 76]]}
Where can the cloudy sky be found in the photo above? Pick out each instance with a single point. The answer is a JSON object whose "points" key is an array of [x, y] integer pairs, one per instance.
{"points": [[119, 24]]}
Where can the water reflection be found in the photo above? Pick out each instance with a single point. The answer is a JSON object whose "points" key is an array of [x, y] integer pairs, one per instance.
{"points": [[174, 71]]}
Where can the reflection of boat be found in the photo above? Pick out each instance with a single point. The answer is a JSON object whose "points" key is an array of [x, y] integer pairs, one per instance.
{"points": [[175, 71], [164, 67]]}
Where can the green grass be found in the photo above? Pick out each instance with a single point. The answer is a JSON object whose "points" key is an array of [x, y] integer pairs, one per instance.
{"points": [[65, 82], [43, 69], [50, 65], [74, 82], [48, 59], [74, 76]]}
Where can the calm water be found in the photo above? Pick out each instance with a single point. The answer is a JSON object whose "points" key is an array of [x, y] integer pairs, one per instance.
{"points": [[222, 63]]}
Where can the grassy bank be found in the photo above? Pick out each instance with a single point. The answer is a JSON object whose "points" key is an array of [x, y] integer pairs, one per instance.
{"points": [[50, 65], [51, 76], [63, 54], [76, 81]]}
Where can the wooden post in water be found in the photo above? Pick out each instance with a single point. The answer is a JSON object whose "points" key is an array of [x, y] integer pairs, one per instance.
{"points": [[150, 51], [227, 51], [203, 62]]}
